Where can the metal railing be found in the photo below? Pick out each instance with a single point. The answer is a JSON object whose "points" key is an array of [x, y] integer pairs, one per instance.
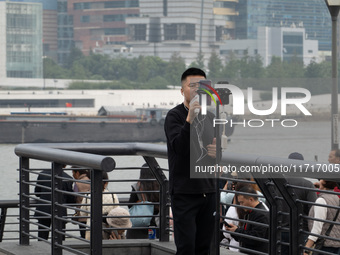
{"points": [[86, 156], [280, 194], [99, 157], [9, 210]]}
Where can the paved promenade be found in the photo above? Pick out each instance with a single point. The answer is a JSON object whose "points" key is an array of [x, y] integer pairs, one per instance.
{"points": [[112, 247]]}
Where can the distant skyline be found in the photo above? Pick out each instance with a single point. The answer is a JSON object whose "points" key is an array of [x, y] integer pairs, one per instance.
{"points": [[313, 15], [130, 28]]}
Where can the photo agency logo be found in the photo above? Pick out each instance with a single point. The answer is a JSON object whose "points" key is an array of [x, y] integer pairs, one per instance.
{"points": [[203, 91], [222, 91]]}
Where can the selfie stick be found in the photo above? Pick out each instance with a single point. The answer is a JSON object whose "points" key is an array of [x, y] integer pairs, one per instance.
{"points": [[224, 93]]}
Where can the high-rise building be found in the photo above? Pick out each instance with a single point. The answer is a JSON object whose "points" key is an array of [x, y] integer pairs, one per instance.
{"points": [[65, 32], [165, 27], [20, 40], [50, 28], [283, 42], [97, 23], [312, 15], [226, 10], [49, 23]]}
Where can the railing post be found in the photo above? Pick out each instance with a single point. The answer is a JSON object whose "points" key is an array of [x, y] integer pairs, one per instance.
{"points": [[2, 222], [56, 211], [163, 199], [289, 196], [215, 249], [96, 212], [24, 202], [270, 195]]}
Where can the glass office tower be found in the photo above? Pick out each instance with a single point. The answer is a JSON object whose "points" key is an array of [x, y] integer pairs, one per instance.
{"points": [[65, 32], [312, 15], [21, 33]]}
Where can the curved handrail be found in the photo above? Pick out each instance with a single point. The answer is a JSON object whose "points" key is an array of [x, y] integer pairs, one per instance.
{"points": [[122, 149], [63, 156], [158, 151]]}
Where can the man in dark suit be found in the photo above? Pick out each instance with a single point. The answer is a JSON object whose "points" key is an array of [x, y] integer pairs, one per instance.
{"points": [[44, 179], [301, 194], [260, 215]]}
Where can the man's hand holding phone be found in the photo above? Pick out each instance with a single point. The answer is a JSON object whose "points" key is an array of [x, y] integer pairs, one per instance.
{"points": [[226, 224], [230, 227], [194, 109]]}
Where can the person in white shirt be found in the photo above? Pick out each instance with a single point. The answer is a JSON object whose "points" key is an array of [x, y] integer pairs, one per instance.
{"points": [[319, 213], [108, 201]]}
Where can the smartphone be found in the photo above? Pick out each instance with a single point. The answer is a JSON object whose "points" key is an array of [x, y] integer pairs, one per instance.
{"points": [[205, 82], [226, 224]]}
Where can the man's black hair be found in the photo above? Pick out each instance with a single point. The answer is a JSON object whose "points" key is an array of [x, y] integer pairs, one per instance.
{"points": [[296, 155], [329, 184], [82, 171], [192, 71], [251, 192]]}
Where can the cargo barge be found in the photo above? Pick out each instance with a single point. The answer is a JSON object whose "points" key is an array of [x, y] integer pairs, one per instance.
{"points": [[145, 126], [142, 125], [73, 116]]}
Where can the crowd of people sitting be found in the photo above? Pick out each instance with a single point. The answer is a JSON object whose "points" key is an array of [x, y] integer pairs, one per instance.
{"points": [[245, 212], [244, 209], [116, 218]]}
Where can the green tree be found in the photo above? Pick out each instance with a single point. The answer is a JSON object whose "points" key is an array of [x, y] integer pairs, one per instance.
{"points": [[75, 55], [318, 70], [79, 72], [142, 70], [111, 70], [199, 62], [294, 68], [215, 66], [119, 68], [96, 77], [52, 70], [231, 70], [156, 83], [276, 69], [175, 68], [149, 67], [252, 67], [157, 66], [96, 63], [318, 76]]}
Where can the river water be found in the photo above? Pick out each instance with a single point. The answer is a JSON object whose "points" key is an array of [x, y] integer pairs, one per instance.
{"points": [[312, 139]]}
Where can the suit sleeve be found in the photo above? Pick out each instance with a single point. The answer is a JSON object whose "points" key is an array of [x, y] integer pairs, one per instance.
{"points": [[177, 133], [253, 230]]}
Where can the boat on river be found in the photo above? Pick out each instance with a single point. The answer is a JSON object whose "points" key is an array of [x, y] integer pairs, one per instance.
{"points": [[85, 116], [143, 125]]}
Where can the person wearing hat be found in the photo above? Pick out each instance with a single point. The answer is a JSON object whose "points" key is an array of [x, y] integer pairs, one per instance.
{"points": [[116, 219], [110, 201]]}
